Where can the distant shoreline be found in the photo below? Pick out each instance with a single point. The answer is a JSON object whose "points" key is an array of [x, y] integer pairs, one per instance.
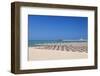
{"points": [[32, 43]]}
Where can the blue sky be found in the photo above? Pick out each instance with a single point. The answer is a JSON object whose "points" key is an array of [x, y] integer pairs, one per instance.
{"points": [[45, 27]]}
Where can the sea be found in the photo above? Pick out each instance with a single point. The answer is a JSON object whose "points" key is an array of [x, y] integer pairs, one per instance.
{"points": [[32, 43]]}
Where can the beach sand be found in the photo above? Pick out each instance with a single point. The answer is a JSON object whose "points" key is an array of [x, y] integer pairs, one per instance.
{"points": [[58, 51]]}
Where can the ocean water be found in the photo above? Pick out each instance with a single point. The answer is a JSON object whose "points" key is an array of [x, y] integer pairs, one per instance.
{"points": [[32, 43]]}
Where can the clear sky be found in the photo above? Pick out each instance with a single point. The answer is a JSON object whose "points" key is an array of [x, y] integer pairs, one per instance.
{"points": [[45, 27]]}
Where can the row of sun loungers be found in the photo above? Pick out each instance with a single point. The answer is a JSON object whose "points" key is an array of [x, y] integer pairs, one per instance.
{"points": [[58, 47]]}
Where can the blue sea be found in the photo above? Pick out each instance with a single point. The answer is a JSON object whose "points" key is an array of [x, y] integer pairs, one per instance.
{"points": [[32, 43]]}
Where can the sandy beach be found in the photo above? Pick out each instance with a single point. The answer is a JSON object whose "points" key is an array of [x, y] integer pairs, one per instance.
{"points": [[56, 51]]}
